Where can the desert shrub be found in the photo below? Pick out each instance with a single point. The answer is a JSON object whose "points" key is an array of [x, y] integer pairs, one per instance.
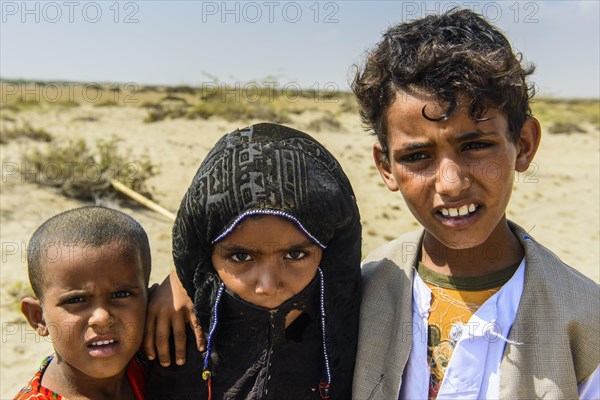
{"points": [[80, 172], [68, 104], [251, 101], [551, 111], [150, 88], [24, 104], [237, 110], [107, 103], [171, 98], [182, 89], [566, 127], [156, 114], [171, 111], [150, 104], [25, 130], [327, 122], [8, 107], [349, 105], [230, 111], [85, 118], [4, 116]]}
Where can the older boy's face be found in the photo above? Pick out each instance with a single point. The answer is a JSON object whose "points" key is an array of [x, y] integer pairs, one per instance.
{"points": [[94, 307], [456, 176]]}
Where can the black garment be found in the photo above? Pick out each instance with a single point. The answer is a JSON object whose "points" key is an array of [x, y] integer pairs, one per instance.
{"points": [[273, 169], [249, 360]]}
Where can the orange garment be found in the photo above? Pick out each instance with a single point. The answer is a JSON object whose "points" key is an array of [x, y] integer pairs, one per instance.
{"points": [[453, 301], [136, 374]]}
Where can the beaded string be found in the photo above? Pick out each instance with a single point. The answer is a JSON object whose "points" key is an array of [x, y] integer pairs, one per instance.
{"points": [[277, 213], [206, 373], [324, 385]]}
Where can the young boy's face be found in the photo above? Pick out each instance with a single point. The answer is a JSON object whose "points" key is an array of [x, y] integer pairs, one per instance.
{"points": [[456, 176], [94, 307], [266, 260]]}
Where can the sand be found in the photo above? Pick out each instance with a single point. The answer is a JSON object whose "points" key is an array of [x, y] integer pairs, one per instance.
{"points": [[556, 200]]}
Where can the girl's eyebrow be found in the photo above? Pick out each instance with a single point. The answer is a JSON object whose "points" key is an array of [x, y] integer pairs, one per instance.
{"points": [[241, 249], [234, 248], [302, 245]]}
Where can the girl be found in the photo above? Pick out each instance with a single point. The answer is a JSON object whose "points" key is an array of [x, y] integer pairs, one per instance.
{"points": [[267, 245]]}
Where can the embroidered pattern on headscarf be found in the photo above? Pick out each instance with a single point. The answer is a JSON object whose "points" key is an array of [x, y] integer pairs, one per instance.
{"points": [[269, 168]]}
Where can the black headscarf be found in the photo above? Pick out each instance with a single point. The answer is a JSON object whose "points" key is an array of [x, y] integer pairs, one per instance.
{"points": [[275, 169]]}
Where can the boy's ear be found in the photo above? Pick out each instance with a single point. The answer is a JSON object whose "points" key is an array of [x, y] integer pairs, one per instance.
{"points": [[383, 165], [32, 309], [529, 141]]}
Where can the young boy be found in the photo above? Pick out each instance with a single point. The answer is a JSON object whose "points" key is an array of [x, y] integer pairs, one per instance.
{"points": [[89, 269], [470, 307]]}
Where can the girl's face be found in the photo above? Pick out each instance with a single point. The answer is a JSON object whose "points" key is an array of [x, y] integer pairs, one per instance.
{"points": [[266, 260]]}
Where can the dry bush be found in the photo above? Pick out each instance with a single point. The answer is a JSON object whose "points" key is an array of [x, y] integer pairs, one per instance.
{"points": [[230, 111], [566, 127], [24, 105], [85, 118], [79, 172], [67, 104], [8, 133], [182, 89], [158, 112], [349, 105], [171, 98], [235, 111], [327, 122], [567, 115], [107, 103]]}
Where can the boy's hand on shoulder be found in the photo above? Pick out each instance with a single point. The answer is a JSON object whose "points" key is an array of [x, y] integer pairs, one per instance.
{"points": [[169, 307]]}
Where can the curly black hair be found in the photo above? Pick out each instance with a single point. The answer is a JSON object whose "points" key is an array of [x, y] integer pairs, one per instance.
{"points": [[449, 55]]}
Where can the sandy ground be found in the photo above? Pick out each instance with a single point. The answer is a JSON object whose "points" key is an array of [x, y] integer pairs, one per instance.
{"points": [[557, 200]]}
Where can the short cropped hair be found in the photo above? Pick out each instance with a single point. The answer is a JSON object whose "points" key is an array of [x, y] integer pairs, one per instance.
{"points": [[449, 55], [88, 226]]}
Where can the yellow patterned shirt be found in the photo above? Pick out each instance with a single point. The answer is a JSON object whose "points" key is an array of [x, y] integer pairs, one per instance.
{"points": [[453, 301]]}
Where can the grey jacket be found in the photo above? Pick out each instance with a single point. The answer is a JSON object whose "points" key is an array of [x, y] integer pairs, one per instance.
{"points": [[557, 324]]}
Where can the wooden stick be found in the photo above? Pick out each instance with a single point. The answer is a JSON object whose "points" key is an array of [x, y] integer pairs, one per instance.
{"points": [[141, 199]]}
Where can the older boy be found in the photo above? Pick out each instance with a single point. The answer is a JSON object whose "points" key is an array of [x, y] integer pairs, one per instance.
{"points": [[89, 269], [470, 307]]}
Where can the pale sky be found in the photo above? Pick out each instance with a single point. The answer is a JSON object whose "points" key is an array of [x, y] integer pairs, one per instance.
{"points": [[300, 43]]}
